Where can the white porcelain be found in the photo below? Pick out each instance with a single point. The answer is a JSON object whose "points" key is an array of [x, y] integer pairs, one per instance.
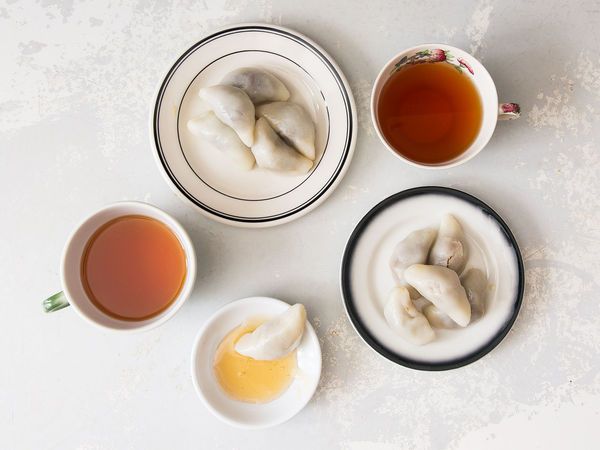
{"points": [[367, 278], [255, 198], [71, 266], [492, 109], [249, 415]]}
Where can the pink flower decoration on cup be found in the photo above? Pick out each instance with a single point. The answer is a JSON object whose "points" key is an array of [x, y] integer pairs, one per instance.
{"points": [[463, 63], [433, 55], [510, 108], [437, 55]]}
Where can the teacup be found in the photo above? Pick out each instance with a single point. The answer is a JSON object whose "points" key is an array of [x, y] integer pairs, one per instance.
{"points": [[492, 110], [74, 293]]}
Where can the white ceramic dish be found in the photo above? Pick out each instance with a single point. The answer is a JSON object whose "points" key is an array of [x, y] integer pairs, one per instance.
{"points": [[255, 198], [367, 278], [249, 415]]}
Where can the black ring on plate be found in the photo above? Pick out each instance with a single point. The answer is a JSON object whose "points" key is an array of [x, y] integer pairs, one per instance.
{"points": [[348, 142], [349, 301], [315, 163]]}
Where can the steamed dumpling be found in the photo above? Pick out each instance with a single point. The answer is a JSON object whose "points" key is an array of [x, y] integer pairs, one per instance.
{"points": [[234, 108], [272, 153], [223, 138], [292, 123], [413, 249], [421, 302], [406, 321], [275, 338], [441, 287], [260, 86], [449, 249], [475, 283], [438, 318]]}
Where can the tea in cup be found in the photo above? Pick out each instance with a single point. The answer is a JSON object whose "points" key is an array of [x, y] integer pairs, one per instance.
{"points": [[129, 266], [436, 106]]}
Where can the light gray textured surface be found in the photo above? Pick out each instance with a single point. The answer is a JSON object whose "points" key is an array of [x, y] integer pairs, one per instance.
{"points": [[76, 84]]}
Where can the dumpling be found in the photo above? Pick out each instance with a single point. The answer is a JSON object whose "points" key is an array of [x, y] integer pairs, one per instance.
{"points": [[406, 321], [234, 108], [421, 302], [223, 138], [275, 338], [449, 248], [413, 249], [475, 283], [272, 153], [293, 124], [260, 85], [438, 318], [441, 287]]}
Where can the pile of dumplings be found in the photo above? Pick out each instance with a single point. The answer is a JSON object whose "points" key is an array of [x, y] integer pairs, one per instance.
{"points": [[432, 288], [251, 121]]}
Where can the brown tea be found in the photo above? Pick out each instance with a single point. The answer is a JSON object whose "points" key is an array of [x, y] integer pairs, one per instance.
{"points": [[430, 113], [133, 268]]}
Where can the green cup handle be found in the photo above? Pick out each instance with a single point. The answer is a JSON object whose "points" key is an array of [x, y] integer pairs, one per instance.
{"points": [[56, 302]]}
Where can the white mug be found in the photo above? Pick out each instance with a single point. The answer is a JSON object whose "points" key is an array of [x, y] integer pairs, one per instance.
{"points": [[441, 53], [74, 293]]}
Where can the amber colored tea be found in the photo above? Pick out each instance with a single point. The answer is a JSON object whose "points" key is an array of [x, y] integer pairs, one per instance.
{"points": [[133, 268], [430, 113]]}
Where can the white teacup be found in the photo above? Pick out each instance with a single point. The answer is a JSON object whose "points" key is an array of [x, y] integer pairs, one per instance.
{"points": [[74, 294], [445, 54]]}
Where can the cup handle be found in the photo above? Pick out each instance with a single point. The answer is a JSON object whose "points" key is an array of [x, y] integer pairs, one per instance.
{"points": [[56, 302], [508, 111]]}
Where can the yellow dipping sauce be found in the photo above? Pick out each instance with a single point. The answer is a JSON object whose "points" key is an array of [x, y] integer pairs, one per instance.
{"points": [[250, 380]]}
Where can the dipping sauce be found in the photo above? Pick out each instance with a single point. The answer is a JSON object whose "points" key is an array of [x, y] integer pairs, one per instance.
{"points": [[249, 380], [430, 113], [133, 268]]}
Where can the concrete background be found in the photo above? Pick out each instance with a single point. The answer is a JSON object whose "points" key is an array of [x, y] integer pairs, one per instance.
{"points": [[76, 82]]}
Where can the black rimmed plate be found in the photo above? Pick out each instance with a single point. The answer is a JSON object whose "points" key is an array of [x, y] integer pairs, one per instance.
{"points": [[255, 198], [366, 278]]}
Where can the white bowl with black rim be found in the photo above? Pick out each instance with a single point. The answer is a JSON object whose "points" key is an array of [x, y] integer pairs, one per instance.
{"points": [[366, 278], [255, 198]]}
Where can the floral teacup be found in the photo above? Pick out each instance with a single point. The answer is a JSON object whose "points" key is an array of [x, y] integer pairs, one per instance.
{"points": [[463, 62]]}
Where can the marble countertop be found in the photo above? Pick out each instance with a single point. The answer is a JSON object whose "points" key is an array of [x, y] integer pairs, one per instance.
{"points": [[76, 85]]}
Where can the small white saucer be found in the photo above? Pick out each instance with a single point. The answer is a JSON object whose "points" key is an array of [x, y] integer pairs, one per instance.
{"points": [[249, 415]]}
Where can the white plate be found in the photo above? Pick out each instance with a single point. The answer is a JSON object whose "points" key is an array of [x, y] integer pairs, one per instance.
{"points": [[249, 415], [255, 198], [367, 278]]}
